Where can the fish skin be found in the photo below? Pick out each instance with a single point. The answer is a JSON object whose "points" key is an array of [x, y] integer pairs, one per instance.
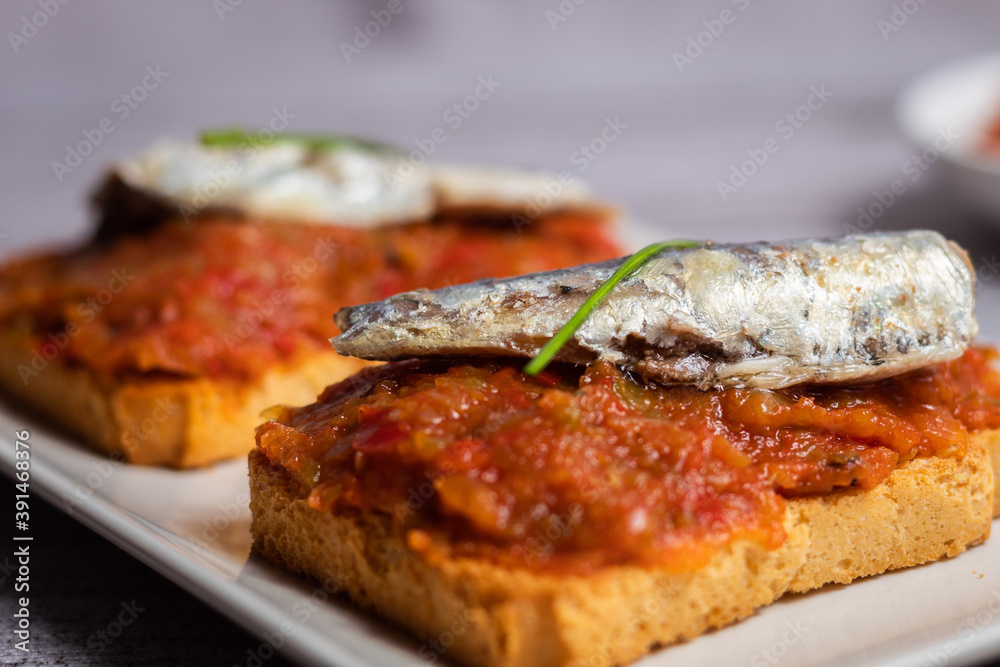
{"points": [[763, 315]]}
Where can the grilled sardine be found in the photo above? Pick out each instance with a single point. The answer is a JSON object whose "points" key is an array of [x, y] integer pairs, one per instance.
{"points": [[764, 315]]}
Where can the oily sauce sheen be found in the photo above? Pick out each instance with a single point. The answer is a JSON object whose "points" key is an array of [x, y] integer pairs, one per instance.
{"points": [[228, 298], [574, 470]]}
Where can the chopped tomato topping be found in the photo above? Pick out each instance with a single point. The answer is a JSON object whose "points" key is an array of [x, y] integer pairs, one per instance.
{"points": [[231, 298], [583, 469]]}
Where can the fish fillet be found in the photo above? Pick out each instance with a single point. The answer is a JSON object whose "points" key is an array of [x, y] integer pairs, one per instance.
{"points": [[765, 315]]}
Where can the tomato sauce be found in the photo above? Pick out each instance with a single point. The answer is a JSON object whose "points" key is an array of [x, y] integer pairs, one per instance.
{"points": [[224, 298], [991, 142], [578, 469]]}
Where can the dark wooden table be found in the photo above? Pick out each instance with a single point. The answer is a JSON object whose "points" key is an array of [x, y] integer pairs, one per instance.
{"points": [[560, 82]]}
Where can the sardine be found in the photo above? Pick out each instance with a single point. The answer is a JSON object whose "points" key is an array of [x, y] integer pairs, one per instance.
{"points": [[765, 315]]}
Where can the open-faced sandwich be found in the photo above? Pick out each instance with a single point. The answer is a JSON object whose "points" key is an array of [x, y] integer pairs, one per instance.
{"points": [[205, 295], [730, 423]]}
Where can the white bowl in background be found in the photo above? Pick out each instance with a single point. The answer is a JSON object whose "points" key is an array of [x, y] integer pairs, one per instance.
{"points": [[946, 113]]}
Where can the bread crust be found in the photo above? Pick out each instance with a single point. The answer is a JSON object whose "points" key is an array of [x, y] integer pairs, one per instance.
{"points": [[490, 615], [991, 440], [181, 423]]}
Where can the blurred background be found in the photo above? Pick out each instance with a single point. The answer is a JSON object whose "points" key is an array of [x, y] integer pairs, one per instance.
{"points": [[690, 103], [659, 106]]}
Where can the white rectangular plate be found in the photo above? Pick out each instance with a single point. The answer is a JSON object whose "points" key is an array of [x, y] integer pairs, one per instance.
{"points": [[194, 527]]}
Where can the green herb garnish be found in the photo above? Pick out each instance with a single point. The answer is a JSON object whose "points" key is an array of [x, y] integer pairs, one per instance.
{"points": [[628, 268], [234, 136]]}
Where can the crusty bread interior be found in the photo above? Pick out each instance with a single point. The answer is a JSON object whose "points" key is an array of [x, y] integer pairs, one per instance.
{"points": [[174, 422], [489, 615]]}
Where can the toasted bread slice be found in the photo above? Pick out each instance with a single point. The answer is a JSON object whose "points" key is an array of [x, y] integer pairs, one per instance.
{"points": [[166, 421], [991, 439], [927, 509], [131, 403]]}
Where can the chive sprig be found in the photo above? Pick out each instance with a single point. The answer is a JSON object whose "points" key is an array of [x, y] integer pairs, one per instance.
{"points": [[548, 352], [235, 136]]}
